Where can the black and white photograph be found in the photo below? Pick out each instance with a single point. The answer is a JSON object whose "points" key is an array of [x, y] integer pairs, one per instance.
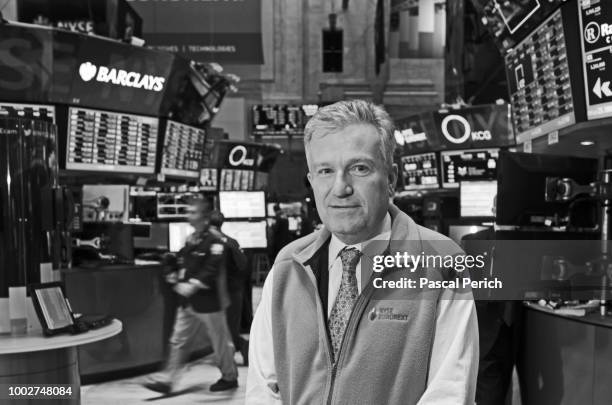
{"points": [[306, 202]]}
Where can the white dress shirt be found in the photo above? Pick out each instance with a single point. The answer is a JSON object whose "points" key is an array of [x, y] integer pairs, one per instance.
{"points": [[454, 358]]}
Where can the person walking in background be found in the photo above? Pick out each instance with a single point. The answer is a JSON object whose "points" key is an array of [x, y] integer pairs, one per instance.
{"points": [[237, 271], [199, 281], [281, 235]]}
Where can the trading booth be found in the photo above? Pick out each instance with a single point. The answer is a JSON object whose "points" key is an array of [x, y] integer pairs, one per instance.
{"points": [[103, 145]]}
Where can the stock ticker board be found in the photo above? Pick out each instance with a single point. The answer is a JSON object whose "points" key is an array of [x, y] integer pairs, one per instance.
{"points": [[539, 81], [105, 141], [596, 44], [183, 150]]}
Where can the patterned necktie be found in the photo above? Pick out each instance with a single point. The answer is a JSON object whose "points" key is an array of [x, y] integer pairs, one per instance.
{"points": [[347, 295]]}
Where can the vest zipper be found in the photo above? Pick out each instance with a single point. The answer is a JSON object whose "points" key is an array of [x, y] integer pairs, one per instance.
{"points": [[362, 301]]}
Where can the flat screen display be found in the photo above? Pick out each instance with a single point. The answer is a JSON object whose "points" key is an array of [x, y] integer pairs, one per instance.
{"points": [[420, 171], [237, 180], [183, 149], [107, 141], [511, 20], [477, 198], [280, 120], [539, 81], [250, 235], [54, 307], [30, 111], [470, 165], [242, 204], [177, 235], [596, 43]]}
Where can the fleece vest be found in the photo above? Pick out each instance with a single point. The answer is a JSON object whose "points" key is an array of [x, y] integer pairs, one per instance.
{"points": [[384, 356]]}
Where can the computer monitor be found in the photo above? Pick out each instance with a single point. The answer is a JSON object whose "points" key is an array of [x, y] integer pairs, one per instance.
{"points": [[177, 235], [477, 198], [521, 184], [242, 204], [250, 235], [151, 235]]}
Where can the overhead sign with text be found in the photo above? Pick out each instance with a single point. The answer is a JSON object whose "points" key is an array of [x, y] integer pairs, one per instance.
{"points": [[38, 64], [416, 134], [227, 31], [109, 18], [481, 126], [596, 28]]}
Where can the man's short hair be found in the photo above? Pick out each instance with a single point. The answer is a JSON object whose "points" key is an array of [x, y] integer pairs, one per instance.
{"points": [[216, 218], [335, 117]]}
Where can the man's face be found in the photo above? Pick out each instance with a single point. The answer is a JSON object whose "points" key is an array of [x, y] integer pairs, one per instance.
{"points": [[351, 182], [196, 216]]}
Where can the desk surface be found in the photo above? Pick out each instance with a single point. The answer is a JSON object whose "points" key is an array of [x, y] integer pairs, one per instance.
{"points": [[38, 342], [591, 318]]}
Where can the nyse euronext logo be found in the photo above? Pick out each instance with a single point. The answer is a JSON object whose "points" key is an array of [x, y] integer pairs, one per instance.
{"points": [[103, 74]]}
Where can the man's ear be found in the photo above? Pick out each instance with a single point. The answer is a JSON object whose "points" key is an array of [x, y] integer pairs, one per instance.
{"points": [[393, 173], [309, 177]]}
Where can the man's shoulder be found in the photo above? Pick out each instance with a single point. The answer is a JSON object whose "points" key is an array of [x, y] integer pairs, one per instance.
{"points": [[298, 245], [436, 242]]}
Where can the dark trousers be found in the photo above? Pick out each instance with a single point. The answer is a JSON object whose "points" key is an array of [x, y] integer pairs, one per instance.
{"points": [[234, 315], [499, 344]]}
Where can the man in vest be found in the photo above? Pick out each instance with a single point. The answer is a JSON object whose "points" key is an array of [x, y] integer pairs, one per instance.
{"points": [[324, 331]]}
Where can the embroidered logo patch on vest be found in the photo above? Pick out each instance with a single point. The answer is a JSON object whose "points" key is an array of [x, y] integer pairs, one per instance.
{"points": [[387, 314]]}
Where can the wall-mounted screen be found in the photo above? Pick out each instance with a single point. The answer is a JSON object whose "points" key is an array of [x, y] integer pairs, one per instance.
{"points": [[280, 119], [107, 141], [250, 235], [596, 44], [477, 198], [420, 171], [468, 165], [539, 81], [511, 20], [242, 204], [182, 152], [30, 111]]}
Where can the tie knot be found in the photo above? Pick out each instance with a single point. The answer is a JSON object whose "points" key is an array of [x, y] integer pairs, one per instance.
{"points": [[350, 258]]}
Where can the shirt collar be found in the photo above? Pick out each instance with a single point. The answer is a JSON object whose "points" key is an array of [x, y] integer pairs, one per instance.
{"points": [[336, 245]]}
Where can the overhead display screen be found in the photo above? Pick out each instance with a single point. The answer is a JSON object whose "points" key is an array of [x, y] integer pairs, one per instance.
{"points": [[539, 81], [250, 235], [471, 165], [280, 120], [183, 149], [242, 204], [420, 171], [31, 111], [511, 20], [104, 141], [596, 43]]}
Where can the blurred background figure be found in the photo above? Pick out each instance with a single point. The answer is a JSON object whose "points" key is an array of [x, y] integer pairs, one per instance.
{"points": [[200, 281], [236, 272]]}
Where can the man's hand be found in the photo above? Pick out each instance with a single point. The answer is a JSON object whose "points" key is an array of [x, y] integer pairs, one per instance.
{"points": [[185, 289], [172, 277]]}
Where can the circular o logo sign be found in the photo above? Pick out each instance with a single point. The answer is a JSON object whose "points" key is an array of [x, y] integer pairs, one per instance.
{"points": [[467, 130], [591, 32], [238, 155]]}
